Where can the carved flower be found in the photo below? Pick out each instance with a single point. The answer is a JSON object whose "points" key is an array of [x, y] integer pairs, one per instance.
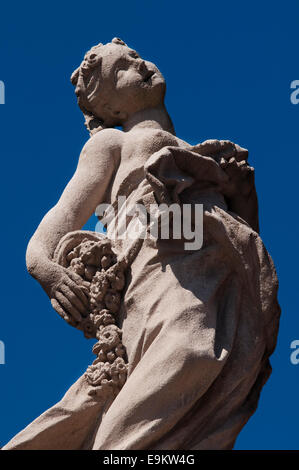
{"points": [[97, 373], [106, 261], [103, 318], [99, 287], [119, 371], [92, 58], [119, 366], [102, 281], [118, 280], [108, 338], [120, 350], [106, 248], [102, 357], [112, 301], [89, 272], [77, 266], [111, 356], [91, 253]]}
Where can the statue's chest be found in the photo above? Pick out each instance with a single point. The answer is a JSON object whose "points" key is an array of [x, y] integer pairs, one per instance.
{"points": [[136, 150]]}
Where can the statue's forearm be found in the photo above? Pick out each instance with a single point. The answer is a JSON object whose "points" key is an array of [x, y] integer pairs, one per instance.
{"points": [[39, 263], [41, 247], [78, 201]]}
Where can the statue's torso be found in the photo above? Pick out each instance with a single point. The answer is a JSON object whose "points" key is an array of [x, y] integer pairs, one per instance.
{"points": [[137, 147]]}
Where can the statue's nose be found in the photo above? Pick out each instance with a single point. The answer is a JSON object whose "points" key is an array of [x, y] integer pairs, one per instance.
{"points": [[142, 67]]}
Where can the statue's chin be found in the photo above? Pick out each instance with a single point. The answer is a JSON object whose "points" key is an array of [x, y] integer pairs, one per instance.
{"points": [[157, 89]]}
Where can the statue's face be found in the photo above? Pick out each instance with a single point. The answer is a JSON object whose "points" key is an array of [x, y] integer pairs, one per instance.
{"points": [[130, 84]]}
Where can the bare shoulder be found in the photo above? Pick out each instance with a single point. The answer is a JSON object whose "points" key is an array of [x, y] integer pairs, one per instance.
{"points": [[150, 134], [150, 140], [103, 146]]}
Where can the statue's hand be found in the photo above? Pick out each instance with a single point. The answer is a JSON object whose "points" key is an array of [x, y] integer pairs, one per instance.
{"points": [[233, 160], [241, 177], [222, 150], [68, 295], [240, 187]]}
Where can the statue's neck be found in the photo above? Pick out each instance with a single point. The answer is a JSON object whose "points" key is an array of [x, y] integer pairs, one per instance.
{"points": [[155, 118]]}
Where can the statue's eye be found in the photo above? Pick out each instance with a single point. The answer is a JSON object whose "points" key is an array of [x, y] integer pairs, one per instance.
{"points": [[134, 55]]}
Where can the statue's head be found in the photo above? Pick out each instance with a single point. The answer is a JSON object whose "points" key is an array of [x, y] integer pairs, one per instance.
{"points": [[113, 83]]}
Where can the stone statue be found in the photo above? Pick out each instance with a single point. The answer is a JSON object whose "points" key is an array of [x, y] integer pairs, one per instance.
{"points": [[183, 335]]}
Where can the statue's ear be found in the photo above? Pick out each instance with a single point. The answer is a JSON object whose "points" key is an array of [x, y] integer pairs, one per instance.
{"points": [[119, 41], [92, 123]]}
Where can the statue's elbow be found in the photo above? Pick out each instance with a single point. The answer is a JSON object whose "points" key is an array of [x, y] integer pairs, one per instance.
{"points": [[31, 262]]}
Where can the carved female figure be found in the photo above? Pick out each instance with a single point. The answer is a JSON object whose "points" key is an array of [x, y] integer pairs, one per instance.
{"points": [[198, 326]]}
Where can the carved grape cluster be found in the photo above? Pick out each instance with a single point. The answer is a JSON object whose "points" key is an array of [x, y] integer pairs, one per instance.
{"points": [[104, 279]]}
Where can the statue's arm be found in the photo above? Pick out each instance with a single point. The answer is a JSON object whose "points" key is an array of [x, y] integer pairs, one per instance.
{"points": [[243, 198], [240, 190], [97, 165]]}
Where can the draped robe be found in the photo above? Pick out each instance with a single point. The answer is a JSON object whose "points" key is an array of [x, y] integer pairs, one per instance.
{"points": [[199, 327]]}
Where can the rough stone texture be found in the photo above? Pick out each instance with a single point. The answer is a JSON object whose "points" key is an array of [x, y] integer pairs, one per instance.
{"points": [[184, 337]]}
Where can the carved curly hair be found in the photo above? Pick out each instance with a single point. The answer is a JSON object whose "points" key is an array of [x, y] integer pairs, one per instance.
{"points": [[87, 80]]}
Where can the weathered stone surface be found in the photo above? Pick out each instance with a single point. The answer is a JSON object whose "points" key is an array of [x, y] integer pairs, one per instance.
{"points": [[184, 336]]}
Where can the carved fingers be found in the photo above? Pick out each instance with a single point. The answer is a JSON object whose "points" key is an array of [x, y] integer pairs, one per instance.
{"points": [[78, 289], [241, 176], [219, 149], [59, 309], [84, 286], [75, 300], [233, 160], [70, 299], [230, 150], [68, 306]]}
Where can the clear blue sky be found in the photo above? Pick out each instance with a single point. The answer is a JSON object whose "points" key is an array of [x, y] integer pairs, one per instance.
{"points": [[228, 67]]}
